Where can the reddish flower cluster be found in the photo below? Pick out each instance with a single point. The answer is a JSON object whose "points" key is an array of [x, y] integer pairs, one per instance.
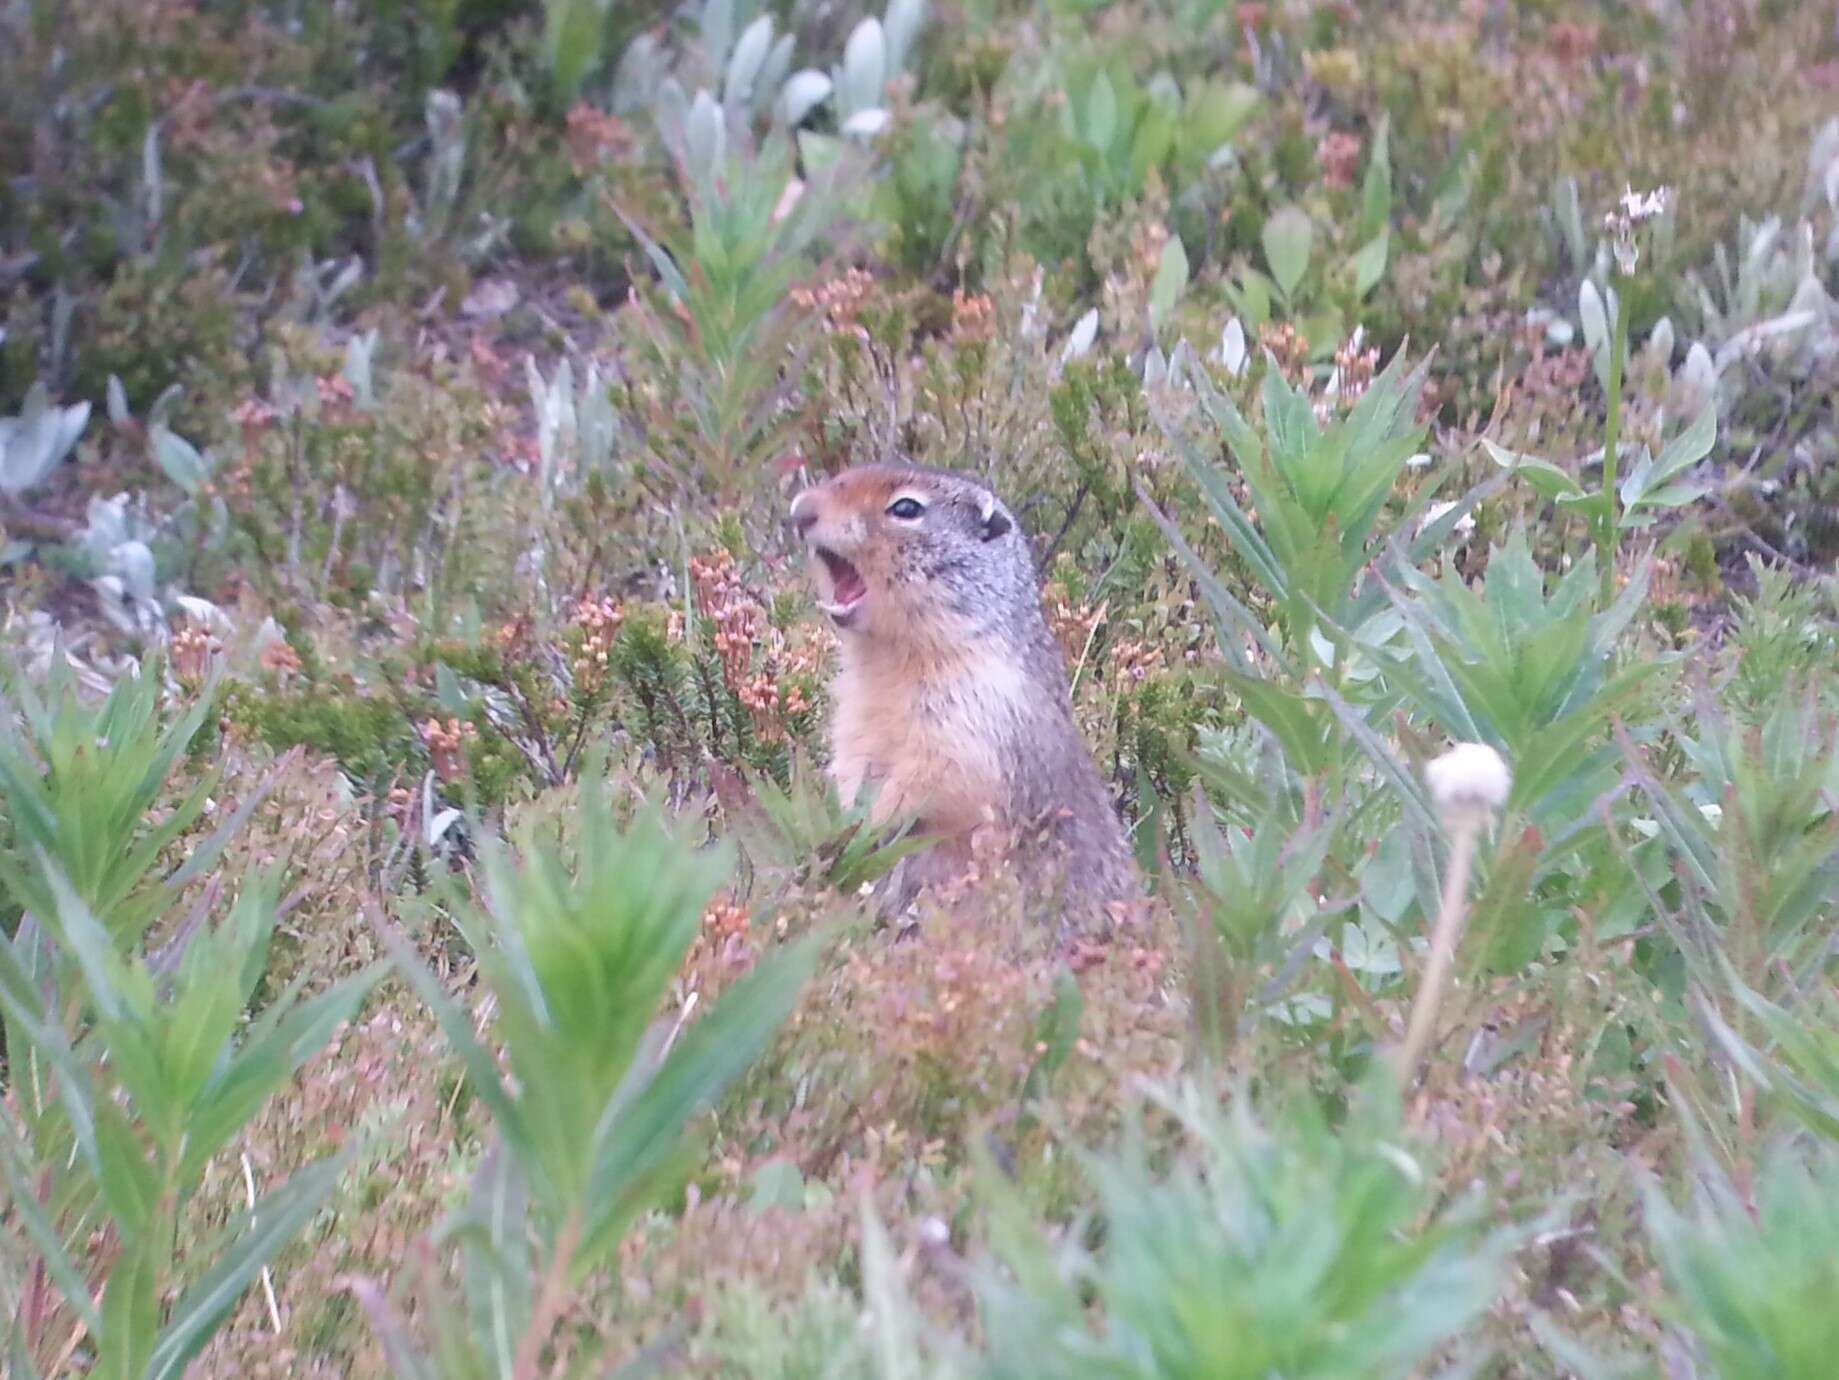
{"points": [[1339, 155], [840, 299], [192, 649], [593, 627], [446, 743]]}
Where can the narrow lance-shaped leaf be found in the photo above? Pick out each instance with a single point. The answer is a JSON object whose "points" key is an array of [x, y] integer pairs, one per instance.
{"points": [[24, 1204], [480, 1067], [256, 1236], [637, 1138]]}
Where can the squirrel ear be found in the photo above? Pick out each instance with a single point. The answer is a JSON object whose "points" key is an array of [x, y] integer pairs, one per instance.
{"points": [[995, 521]]}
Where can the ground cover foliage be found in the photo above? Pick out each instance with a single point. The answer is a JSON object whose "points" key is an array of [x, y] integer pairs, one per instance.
{"points": [[430, 946]]}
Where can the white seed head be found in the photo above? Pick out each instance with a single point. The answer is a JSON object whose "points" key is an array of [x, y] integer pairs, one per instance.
{"points": [[1469, 774]]}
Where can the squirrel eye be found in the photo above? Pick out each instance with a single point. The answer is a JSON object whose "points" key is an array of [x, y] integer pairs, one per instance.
{"points": [[906, 509]]}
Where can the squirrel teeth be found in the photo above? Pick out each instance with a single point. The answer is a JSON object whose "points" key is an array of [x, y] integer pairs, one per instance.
{"points": [[842, 614]]}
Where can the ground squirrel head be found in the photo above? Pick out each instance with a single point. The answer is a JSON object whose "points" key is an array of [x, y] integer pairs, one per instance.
{"points": [[905, 554]]}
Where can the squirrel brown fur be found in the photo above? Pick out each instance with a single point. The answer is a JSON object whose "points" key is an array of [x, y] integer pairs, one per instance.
{"points": [[951, 702]]}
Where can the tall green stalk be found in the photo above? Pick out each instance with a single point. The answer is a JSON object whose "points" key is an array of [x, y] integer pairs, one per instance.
{"points": [[1606, 516]]}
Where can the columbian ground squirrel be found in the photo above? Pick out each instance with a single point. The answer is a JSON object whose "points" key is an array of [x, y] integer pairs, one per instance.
{"points": [[951, 701]]}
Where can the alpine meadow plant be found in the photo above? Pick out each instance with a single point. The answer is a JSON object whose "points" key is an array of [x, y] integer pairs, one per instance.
{"points": [[727, 334], [80, 785], [34, 441], [1282, 1248], [130, 1070], [1529, 670], [578, 948], [1319, 490], [1751, 1273]]}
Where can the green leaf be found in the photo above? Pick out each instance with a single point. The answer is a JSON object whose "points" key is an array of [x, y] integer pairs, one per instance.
{"points": [[1231, 619], [1170, 282], [1101, 113], [257, 1235], [14, 1159], [572, 33], [1376, 191], [1690, 446], [130, 1310], [1411, 792], [1289, 238], [496, 1269], [1368, 263], [1546, 479], [1298, 726], [1055, 1034], [19, 998], [275, 1049], [776, 1184], [130, 1185], [1250, 296], [107, 979], [196, 1025], [639, 1132], [180, 460]]}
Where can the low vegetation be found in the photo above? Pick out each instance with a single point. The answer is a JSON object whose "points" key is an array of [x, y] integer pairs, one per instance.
{"points": [[430, 945]]}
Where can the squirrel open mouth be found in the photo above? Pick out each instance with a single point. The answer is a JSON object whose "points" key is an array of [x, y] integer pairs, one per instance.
{"points": [[847, 587]]}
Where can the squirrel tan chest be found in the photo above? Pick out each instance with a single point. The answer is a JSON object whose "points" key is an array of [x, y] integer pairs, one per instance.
{"points": [[927, 734]]}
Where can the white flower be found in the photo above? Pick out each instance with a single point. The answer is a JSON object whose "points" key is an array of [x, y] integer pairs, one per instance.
{"points": [[1469, 774], [1640, 206], [1634, 209]]}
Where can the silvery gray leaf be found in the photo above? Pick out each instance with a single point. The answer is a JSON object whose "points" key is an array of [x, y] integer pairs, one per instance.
{"points": [[672, 113], [864, 67], [180, 461], [1085, 331], [1155, 368], [866, 124], [635, 80], [773, 73], [717, 29], [804, 92], [1232, 347], [1660, 341], [1595, 319], [1699, 372], [749, 57], [359, 351], [705, 138], [32, 443], [132, 561], [203, 611], [901, 25]]}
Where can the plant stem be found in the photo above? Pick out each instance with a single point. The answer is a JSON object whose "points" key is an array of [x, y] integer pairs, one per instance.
{"points": [[1612, 437], [1450, 916], [550, 1299]]}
